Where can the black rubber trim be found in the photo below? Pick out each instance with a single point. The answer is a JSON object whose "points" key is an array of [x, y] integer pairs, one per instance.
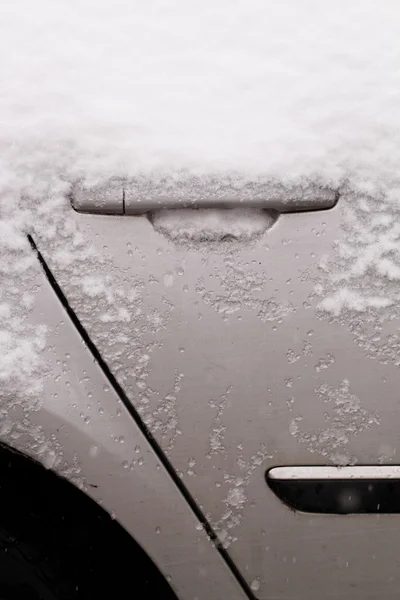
{"points": [[338, 496], [136, 417]]}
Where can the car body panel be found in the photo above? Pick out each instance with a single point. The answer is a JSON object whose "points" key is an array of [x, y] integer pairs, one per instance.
{"points": [[241, 371], [83, 431]]}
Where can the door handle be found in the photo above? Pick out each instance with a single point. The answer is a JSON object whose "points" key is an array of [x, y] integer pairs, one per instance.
{"points": [[210, 192], [144, 195]]}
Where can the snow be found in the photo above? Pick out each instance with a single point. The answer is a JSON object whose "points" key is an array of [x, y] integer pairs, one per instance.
{"points": [[299, 93], [348, 418], [213, 225], [345, 298], [299, 89]]}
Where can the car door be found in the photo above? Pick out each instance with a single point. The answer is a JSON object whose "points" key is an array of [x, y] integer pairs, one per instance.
{"points": [[251, 339]]}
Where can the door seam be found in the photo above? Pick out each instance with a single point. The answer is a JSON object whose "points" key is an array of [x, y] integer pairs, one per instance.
{"points": [[164, 460]]}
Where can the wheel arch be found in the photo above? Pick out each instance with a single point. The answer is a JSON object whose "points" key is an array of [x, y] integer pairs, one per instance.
{"points": [[32, 494]]}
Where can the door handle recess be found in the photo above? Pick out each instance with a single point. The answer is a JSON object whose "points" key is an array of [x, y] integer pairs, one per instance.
{"points": [[338, 490]]}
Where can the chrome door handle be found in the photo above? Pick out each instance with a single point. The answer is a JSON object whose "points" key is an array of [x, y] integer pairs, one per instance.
{"points": [[142, 195], [200, 194]]}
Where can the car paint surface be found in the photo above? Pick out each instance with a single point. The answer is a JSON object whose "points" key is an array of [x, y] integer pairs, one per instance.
{"points": [[84, 432], [225, 352]]}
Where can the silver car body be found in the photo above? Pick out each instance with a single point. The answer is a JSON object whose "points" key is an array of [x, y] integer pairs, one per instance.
{"points": [[235, 354]]}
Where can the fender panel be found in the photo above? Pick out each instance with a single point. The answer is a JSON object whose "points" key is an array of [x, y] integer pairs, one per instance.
{"points": [[82, 430]]}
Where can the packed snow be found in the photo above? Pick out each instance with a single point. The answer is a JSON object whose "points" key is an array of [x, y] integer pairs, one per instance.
{"points": [[213, 225], [298, 89]]}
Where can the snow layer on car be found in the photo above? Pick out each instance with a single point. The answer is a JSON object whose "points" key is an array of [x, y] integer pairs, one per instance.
{"points": [[213, 225], [290, 90], [298, 91]]}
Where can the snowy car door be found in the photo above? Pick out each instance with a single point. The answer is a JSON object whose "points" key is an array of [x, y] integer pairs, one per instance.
{"points": [[230, 337]]}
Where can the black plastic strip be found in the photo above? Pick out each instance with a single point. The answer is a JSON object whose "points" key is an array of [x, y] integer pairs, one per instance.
{"points": [[339, 496], [136, 417]]}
